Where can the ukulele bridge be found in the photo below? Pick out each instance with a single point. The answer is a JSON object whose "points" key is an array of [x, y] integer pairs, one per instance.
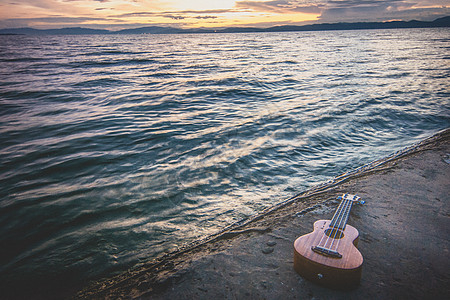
{"points": [[326, 252]]}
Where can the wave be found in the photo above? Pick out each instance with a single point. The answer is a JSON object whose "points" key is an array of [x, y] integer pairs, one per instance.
{"points": [[116, 149]]}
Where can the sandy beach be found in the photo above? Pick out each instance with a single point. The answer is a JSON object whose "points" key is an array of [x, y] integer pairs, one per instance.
{"points": [[404, 229]]}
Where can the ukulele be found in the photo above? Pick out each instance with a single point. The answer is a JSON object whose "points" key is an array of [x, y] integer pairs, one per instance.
{"points": [[328, 255]]}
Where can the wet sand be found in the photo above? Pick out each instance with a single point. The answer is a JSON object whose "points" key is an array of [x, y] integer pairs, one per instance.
{"points": [[404, 229]]}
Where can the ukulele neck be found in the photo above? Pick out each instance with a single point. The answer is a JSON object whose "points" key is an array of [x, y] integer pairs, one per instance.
{"points": [[340, 217]]}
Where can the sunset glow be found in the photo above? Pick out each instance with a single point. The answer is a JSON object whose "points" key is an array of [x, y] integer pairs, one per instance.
{"points": [[120, 14]]}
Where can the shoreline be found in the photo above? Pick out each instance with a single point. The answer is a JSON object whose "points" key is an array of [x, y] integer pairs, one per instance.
{"points": [[253, 258]]}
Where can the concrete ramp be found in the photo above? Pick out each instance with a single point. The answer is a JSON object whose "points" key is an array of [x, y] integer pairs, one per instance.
{"points": [[404, 229]]}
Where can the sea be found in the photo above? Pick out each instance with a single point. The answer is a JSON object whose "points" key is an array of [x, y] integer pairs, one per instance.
{"points": [[117, 149]]}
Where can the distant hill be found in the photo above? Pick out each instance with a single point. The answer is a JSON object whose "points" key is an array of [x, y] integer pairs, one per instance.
{"points": [[441, 22], [72, 30]]}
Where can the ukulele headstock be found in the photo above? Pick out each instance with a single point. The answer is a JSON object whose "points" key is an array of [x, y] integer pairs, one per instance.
{"points": [[354, 198]]}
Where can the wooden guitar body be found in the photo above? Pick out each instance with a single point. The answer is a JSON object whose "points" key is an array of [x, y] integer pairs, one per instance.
{"points": [[327, 268]]}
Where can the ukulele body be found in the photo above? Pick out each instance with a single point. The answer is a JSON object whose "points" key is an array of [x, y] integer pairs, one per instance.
{"points": [[341, 273]]}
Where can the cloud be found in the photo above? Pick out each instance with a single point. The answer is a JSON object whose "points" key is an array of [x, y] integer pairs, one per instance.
{"points": [[134, 14], [174, 17], [46, 22], [381, 10], [352, 10], [282, 6], [186, 12], [54, 20], [205, 17], [177, 15]]}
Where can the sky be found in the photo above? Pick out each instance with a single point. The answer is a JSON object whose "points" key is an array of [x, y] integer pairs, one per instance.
{"points": [[121, 14]]}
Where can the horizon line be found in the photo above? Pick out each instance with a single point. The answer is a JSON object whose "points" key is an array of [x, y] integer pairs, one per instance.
{"points": [[306, 27]]}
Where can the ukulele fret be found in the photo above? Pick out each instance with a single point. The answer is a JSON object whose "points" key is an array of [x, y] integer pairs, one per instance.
{"points": [[340, 217]]}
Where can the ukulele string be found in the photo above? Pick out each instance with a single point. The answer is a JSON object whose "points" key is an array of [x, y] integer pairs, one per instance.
{"points": [[337, 216], [344, 220], [324, 232], [346, 215], [341, 222]]}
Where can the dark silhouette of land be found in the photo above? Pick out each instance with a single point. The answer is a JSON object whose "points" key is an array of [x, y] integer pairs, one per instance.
{"points": [[441, 22]]}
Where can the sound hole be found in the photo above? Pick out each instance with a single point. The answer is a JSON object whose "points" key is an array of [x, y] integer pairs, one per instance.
{"points": [[334, 233]]}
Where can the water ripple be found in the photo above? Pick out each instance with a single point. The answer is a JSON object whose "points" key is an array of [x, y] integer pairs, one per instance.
{"points": [[115, 149]]}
